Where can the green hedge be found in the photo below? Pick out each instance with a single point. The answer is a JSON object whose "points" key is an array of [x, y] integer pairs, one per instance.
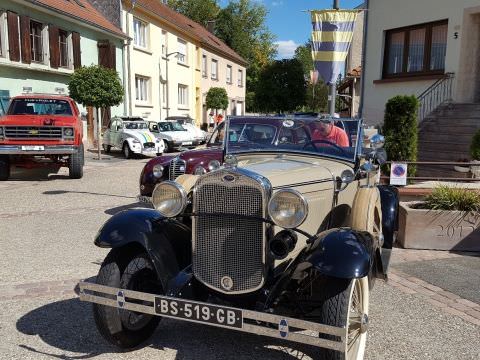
{"points": [[475, 146], [400, 130]]}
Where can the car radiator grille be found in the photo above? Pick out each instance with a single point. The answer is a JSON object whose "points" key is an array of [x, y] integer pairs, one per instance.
{"points": [[177, 168], [229, 246], [33, 132]]}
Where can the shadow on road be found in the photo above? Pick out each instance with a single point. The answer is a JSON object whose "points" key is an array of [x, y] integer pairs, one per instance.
{"points": [[62, 192], [68, 326], [46, 173]]}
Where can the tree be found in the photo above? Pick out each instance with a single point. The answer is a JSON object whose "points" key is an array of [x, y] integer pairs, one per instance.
{"points": [[303, 53], [200, 11], [217, 98], [241, 25], [96, 86], [281, 86]]}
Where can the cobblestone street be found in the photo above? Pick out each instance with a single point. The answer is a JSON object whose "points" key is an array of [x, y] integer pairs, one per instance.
{"points": [[427, 310]]}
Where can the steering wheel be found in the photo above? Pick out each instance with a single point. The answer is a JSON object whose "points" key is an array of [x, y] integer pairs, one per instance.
{"points": [[313, 142]]}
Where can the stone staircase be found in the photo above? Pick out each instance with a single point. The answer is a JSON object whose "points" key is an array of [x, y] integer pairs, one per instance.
{"points": [[445, 135]]}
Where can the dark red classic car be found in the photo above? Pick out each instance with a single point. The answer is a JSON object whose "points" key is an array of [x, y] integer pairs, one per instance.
{"points": [[201, 161]]}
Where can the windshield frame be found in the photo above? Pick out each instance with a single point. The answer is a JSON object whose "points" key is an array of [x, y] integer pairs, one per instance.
{"points": [[144, 123], [357, 148]]}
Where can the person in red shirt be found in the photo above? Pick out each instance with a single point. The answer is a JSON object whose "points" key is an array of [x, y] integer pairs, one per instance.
{"points": [[326, 130]]}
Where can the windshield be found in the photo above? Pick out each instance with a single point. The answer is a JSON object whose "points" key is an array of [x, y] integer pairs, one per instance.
{"points": [[40, 107], [170, 126], [136, 125], [337, 138]]}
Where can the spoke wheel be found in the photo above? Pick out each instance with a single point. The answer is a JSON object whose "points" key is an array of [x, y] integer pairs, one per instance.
{"points": [[357, 319]]}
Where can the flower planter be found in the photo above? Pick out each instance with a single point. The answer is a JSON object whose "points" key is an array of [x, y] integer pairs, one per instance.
{"points": [[438, 229]]}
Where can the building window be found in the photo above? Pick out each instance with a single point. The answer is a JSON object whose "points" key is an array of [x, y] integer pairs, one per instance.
{"points": [[139, 33], [204, 66], [182, 95], [36, 38], [214, 71], [182, 51], [229, 74], [416, 50], [240, 78], [63, 47], [164, 42], [142, 85]]}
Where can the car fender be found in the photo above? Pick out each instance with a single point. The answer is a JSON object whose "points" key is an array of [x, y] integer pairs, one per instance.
{"points": [[341, 253], [389, 198], [166, 241]]}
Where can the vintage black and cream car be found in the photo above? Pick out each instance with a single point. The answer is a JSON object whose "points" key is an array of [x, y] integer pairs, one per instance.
{"points": [[284, 240]]}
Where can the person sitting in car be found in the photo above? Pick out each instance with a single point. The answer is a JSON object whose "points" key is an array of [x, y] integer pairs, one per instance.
{"points": [[327, 131]]}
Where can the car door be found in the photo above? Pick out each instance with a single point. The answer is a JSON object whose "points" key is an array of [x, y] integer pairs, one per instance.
{"points": [[117, 134]]}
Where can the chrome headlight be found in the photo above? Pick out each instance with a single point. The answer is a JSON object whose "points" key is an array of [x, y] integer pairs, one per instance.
{"points": [[158, 171], [199, 170], [288, 208], [214, 165], [169, 198], [68, 132]]}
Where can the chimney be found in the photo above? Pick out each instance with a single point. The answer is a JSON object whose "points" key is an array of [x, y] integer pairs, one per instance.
{"points": [[211, 26]]}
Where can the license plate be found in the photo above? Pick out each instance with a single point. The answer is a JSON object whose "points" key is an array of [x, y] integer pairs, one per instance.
{"points": [[203, 313], [187, 143], [144, 199], [33, 148]]}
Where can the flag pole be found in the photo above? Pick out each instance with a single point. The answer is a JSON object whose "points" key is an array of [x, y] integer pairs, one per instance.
{"points": [[333, 86]]}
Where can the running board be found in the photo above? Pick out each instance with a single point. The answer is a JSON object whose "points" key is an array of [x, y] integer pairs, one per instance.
{"points": [[254, 322]]}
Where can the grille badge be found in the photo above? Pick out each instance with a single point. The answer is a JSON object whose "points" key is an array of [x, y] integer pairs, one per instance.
{"points": [[227, 282], [228, 178], [33, 132]]}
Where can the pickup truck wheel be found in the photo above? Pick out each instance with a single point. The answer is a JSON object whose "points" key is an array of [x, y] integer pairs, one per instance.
{"points": [[75, 164], [346, 306], [126, 151], [4, 168], [124, 328]]}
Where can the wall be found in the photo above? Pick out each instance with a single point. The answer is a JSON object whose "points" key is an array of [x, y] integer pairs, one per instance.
{"points": [[391, 14], [43, 79]]}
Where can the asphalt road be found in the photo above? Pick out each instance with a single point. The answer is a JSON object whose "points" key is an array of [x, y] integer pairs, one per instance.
{"points": [[47, 225]]}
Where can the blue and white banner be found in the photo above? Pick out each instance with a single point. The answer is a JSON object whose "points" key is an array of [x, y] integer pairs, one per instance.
{"points": [[331, 39]]}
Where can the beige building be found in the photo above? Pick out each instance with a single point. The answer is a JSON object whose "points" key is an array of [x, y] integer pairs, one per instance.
{"points": [[171, 62], [417, 47]]}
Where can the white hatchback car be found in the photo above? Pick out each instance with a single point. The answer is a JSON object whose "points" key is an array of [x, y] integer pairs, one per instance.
{"points": [[172, 134], [132, 136], [199, 136]]}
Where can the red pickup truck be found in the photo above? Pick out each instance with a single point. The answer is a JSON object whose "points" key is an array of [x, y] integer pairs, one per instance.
{"points": [[40, 130]]}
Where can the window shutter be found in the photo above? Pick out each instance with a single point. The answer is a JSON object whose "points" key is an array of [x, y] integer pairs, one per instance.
{"points": [[54, 46], [113, 56], [25, 39], [77, 58], [103, 53], [13, 44]]}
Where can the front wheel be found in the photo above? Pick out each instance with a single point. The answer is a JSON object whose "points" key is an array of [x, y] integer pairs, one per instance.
{"points": [[4, 168], [126, 151], [347, 306], [75, 164], [124, 328]]}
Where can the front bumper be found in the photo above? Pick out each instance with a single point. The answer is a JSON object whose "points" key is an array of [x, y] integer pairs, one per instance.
{"points": [[38, 149], [253, 322]]}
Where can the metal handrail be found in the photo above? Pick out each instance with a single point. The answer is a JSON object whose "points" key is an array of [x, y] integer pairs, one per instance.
{"points": [[440, 92]]}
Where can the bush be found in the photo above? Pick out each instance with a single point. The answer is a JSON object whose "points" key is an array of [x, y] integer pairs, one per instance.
{"points": [[450, 198], [400, 130], [475, 146]]}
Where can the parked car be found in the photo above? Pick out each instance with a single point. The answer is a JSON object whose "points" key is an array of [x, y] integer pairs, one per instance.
{"points": [[187, 122], [132, 136], [173, 134], [201, 161], [38, 127], [285, 240]]}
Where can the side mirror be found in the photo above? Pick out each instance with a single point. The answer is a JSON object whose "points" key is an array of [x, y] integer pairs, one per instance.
{"points": [[377, 141], [346, 177]]}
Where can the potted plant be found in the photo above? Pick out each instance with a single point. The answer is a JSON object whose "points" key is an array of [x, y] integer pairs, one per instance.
{"points": [[448, 219], [461, 168], [475, 154]]}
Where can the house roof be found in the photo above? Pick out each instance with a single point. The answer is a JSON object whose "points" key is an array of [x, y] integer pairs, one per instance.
{"points": [[80, 10], [196, 30]]}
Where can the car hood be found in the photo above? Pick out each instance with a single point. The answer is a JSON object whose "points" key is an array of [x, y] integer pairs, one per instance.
{"points": [[294, 172], [141, 135], [37, 120]]}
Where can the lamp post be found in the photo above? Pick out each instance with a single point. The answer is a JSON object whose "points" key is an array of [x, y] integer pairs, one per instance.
{"points": [[166, 78]]}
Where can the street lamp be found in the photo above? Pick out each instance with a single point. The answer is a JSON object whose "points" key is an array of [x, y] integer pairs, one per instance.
{"points": [[166, 77]]}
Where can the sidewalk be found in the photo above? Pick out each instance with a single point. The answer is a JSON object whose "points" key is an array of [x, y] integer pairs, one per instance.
{"points": [[448, 281]]}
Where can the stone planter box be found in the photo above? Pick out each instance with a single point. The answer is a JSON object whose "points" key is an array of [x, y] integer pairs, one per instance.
{"points": [[438, 229]]}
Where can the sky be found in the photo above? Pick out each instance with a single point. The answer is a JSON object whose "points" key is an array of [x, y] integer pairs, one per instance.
{"points": [[290, 24]]}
